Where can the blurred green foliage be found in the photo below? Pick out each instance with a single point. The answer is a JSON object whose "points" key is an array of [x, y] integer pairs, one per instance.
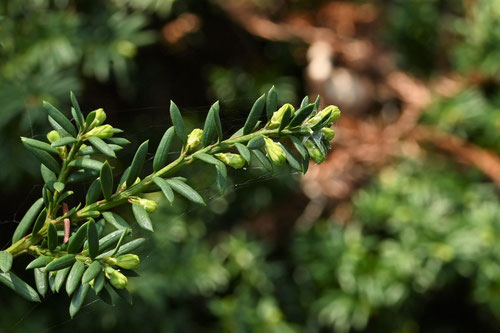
{"points": [[419, 254], [49, 48]]}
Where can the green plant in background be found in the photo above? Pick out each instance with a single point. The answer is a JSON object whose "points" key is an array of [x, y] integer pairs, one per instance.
{"points": [[49, 47], [418, 227], [74, 250]]}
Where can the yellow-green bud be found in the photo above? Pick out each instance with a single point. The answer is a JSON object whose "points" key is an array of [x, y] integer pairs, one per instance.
{"points": [[53, 136], [149, 205], [277, 117], [335, 113], [314, 152], [328, 133], [194, 139], [100, 117], [128, 261], [117, 279], [233, 160], [331, 110], [275, 152], [103, 132]]}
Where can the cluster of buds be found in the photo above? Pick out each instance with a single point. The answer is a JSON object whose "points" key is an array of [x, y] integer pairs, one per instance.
{"points": [[149, 205], [274, 152], [194, 139], [233, 160]]}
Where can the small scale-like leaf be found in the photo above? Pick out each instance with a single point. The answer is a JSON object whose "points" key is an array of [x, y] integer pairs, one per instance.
{"points": [[109, 240], [317, 140], [254, 114], [60, 263], [93, 192], [91, 272], [119, 141], [99, 282], [244, 152], [115, 220], [106, 180], [301, 115], [165, 188], [210, 130], [48, 176], [218, 124], [5, 261], [271, 102], [176, 117], [287, 116], [39, 145], [102, 146], [40, 221], [41, 281], [263, 160], [63, 196], [256, 142], [317, 103], [60, 278], [142, 217], [90, 150], [27, 220], [19, 286], [45, 158], [82, 176], [78, 299], [93, 240], [86, 163], [137, 163], [60, 118], [305, 165], [76, 240], [58, 186], [161, 156], [61, 131], [125, 248], [300, 147], [323, 122], [46, 196], [70, 212], [39, 262], [52, 280], [76, 115], [74, 277], [292, 159], [76, 111], [221, 177], [63, 141], [185, 190], [207, 158], [304, 102]]}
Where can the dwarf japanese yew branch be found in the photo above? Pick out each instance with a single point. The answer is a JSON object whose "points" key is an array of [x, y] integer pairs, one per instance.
{"points": [[99, 254]]}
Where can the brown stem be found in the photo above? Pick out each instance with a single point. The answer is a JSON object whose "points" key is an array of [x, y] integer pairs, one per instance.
{"points": [[66, 223]]}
